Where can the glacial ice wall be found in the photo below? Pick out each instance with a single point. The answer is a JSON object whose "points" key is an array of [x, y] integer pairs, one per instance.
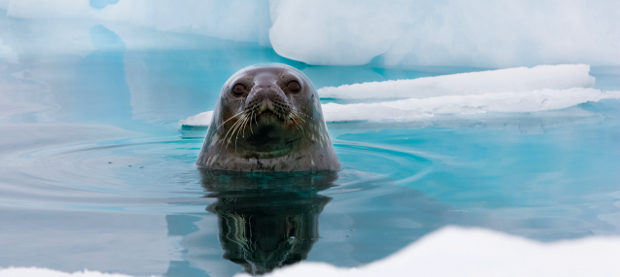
{"points": [[237, 20], [481, 33]]}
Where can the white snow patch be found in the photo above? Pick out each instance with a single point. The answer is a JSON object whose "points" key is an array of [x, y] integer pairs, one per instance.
{"points": [[516, 80], [457, 251]]}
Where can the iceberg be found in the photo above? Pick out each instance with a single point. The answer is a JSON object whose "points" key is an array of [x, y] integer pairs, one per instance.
{"points": [[483, 33]]}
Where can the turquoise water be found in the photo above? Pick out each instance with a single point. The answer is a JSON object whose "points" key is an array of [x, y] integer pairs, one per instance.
{"points": [[95, 174]]}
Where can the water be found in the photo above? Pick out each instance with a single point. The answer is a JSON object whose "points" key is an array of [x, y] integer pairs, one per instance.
{"points": [[95, 174]]}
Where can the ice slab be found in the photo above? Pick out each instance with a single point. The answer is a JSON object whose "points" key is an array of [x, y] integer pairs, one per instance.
{"points": [[515, 80], [201, 119], [421, 109], [457, 251], [513, 90]]}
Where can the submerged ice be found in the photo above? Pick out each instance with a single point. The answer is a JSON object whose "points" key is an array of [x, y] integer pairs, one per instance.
{"points": [[513, 90]]}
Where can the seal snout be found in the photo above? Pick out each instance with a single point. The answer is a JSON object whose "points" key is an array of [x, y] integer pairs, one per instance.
{"points": [[268, 100]]}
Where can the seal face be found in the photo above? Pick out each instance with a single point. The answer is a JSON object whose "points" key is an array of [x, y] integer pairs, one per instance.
{"points": [[268, 118]]}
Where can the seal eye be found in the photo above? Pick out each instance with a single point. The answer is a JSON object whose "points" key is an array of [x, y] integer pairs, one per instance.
{"points": [[238, 90], [293, 86]]}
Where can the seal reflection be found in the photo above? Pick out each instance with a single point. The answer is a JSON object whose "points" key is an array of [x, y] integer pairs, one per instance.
{"points": [[267, 220]]}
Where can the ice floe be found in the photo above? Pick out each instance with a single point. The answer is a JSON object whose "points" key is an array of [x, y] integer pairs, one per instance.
{"points": [[457, 251], [517, 80], [414, 108], [451, 251], [513, 90]]}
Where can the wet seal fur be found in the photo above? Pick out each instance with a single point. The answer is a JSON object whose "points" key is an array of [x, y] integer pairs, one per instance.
{"points": [[268, 118]]}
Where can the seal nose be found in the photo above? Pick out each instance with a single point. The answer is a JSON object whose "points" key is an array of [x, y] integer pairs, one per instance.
{"points": [[266, 105], [267, 96]]}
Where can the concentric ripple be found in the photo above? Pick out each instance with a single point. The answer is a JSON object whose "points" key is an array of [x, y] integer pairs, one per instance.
{"points": [[150, 173]]}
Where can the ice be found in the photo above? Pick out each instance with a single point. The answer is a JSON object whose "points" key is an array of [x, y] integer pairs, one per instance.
{"points": [[513, 90], [420, 109], [44, 272], [7, 54], [237, 20], [201, 119], [457, 251], [515, 80], [467, 251], [483, 33]]}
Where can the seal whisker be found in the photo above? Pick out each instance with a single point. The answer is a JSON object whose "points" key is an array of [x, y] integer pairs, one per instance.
{"points": [[222, 124], [234, 127], [296, 113], [292, 117], [241, 128], [303, 121], [251, 115]]}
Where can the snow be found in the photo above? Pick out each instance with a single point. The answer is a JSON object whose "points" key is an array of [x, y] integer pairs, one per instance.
{"points": [[451, 251], [482, 33], [457, 251], [513, 90]]}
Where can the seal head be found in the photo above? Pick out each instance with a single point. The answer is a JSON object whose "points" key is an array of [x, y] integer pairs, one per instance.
{"points": [[268, 118]]}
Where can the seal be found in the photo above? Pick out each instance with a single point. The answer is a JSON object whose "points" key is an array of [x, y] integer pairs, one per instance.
{"points": [[268, 118]]}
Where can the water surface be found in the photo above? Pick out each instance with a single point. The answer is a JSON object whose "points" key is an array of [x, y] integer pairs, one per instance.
{"points": [[95, 174]]}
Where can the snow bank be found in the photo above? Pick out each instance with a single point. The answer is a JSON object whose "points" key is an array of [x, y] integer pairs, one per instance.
{"points": [[43, 272], [516, 80], [513, 90], [456, 251], [482, 33]]}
